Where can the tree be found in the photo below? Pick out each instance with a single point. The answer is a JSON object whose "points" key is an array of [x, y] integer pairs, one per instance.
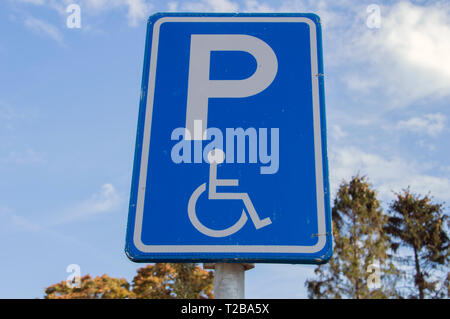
{"points": [[103, 287], [360, 247], [160, 280], [418, 224], [169, 281]]}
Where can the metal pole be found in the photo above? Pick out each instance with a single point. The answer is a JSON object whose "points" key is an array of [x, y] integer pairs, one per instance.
{"points": [[229, 280]]}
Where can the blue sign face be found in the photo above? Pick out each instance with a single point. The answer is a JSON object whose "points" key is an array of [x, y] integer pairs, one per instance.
{"points": [[230, 161]]}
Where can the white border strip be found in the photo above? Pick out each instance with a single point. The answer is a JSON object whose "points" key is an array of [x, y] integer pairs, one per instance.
{"points": [[146, 144]]}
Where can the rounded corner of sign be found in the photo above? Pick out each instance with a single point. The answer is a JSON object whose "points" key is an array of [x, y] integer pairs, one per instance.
{"points": [[157, 19], [321, 243], [154, 17], [133, 249], [326, 257], [312, 19], [325, 252], [131, 253]]}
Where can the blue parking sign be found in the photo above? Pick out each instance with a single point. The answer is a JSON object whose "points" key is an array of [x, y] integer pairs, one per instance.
{"points": [[230, 162]]}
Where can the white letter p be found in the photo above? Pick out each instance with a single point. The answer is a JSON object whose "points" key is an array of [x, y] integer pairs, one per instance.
{"points": [[201, 87]]}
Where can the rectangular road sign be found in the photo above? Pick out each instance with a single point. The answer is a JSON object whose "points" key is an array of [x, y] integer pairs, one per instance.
{"points": [[230, 161]]}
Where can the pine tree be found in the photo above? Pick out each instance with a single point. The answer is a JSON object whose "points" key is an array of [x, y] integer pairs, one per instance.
{"points": [[418, 224], [360, 247]]}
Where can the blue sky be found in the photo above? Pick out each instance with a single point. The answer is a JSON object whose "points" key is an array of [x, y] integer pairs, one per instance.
{"points": [[69, 105]]}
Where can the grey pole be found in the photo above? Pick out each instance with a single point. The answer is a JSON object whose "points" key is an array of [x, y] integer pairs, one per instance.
{"points": [[229, 279]]}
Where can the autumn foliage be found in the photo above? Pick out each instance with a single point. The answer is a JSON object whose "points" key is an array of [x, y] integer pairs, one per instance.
{"points": [[168, 281], [154, 281]]}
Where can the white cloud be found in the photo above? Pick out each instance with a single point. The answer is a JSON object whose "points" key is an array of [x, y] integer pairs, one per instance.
{"points": [[209, 6], [138, 10], [258, 6], [100, 4], [333, 14], [321, 7], [407, 58], [23, 223], [387, 174], [105, 201], [426, 144], [430, 124], [58, 5], [223, 5], [419, 36], [12, 221], [173, 6], [12, 118], [337, 132], [35, 2], [45, 28]]}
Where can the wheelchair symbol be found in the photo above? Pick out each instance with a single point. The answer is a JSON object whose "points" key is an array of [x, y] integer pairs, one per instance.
{"points": [[215, 157]]}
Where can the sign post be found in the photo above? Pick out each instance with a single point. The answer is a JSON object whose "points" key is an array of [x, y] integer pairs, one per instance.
{"points": [[229, 279], [230, 163]]}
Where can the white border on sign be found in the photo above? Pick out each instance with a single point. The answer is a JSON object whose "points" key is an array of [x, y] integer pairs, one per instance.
{"points": [[137, 237]]}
